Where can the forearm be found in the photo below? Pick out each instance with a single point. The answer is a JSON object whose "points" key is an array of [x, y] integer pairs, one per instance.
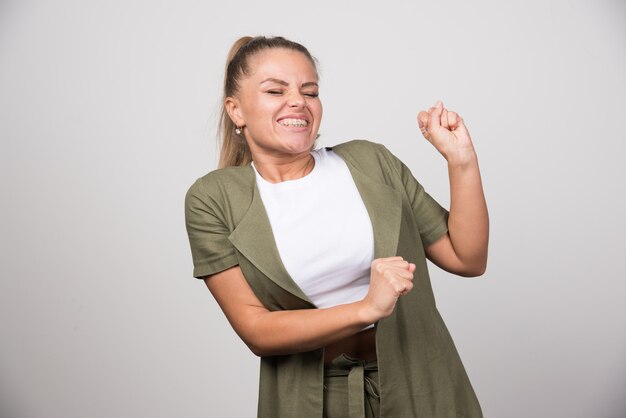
{"points": [[468, 223], [293, 331]]}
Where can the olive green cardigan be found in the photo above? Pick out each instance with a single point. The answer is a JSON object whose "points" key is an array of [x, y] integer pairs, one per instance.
{"points": [[420, 372]]}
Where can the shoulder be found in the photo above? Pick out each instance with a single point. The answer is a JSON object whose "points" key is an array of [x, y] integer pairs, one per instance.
{"points": [[357, 146], [366, 154], [222, 185]]}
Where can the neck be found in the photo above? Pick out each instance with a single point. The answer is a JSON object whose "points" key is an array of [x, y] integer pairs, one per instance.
{"points": [[276, 170]]}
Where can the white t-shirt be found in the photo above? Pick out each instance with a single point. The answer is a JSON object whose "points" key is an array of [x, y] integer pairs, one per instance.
{"points": [[322, 231]]}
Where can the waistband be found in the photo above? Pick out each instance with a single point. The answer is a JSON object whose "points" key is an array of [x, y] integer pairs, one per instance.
{"points": [[358, 382]]}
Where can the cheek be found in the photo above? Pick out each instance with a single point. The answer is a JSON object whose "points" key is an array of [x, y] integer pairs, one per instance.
{"points": [[318, 111], [260, 113]]}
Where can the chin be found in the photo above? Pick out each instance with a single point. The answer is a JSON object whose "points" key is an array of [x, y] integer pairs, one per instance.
{"points": [[300, 145]]}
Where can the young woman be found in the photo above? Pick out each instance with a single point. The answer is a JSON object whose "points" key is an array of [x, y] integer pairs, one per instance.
{"points": [[318, 256]]}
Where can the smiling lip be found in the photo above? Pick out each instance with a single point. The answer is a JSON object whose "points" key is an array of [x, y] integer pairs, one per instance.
{"points": [[294, 116]]}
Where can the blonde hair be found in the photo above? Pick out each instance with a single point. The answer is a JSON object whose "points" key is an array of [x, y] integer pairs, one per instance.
{"points": [[234, 150]]}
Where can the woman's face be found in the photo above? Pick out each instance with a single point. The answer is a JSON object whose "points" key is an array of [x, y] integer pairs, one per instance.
{"points": [[278, 103]]}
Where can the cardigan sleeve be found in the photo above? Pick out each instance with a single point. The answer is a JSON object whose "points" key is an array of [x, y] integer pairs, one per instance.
{"points": [[208, 233], [430, 216]]}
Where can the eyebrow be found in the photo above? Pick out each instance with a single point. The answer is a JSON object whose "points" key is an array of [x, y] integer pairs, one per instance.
{"points": [[284, 83]]}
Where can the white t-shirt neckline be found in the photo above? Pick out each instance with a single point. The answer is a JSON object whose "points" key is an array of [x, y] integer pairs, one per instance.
{"points": [[294, 182]]}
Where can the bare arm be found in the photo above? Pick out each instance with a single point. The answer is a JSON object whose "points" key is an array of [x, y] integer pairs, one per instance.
{"points": [[291, 331], [463, 250]]}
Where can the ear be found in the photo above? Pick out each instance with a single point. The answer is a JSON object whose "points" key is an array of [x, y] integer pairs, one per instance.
{"points": [[234, 111]]}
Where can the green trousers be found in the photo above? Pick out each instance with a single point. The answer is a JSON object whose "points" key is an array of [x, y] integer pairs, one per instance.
{"points": [[351, 389]]}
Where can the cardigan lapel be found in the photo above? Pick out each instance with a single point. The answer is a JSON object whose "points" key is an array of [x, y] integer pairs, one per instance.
{"points": [[253, 236], [384, 206]]}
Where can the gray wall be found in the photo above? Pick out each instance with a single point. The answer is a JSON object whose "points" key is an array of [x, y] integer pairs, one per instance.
{"points": [[107, 115]]}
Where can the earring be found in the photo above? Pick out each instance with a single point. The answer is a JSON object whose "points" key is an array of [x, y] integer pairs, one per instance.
{"points": [[238, 130]]}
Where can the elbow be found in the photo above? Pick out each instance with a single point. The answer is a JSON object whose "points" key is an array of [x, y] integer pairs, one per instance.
{"points": [[475, 269], [266, 351], [260, 347], [252, 335], [474, 272], [258, 350], [255, 346], [263, 342], [477, 266]]}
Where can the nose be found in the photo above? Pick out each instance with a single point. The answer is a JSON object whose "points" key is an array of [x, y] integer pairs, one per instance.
{"points": [[297, 100]]}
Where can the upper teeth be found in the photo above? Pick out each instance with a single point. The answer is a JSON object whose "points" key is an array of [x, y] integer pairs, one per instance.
{"points": [[293, 122]]}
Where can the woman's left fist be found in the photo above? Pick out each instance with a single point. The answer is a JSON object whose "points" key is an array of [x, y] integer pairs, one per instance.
{"points": [[447, 132]]}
